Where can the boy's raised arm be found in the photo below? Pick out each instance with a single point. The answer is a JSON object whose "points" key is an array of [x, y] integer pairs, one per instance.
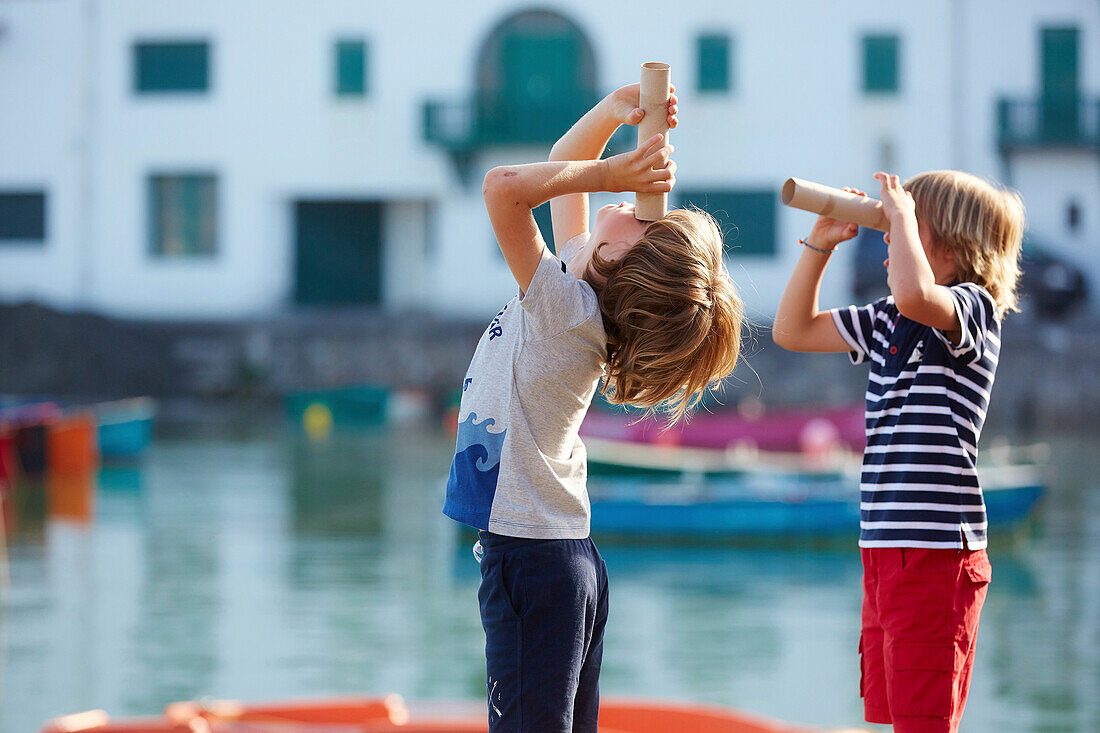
{"points": [[586, 140], [799, 324], [912, 281], [511, 192]]}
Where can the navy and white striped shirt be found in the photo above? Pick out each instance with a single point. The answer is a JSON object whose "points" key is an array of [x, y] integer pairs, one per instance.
{"points": [[926, 403]]}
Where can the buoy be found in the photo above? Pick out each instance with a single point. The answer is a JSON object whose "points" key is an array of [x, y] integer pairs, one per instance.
{"points": [[317, 421]]}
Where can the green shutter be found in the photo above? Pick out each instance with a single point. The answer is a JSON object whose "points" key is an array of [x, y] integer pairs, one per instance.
{"points": [[23, 216], [171, 67], [747, 218], [880, 63], [1061, 92], [1060, 62], [351, 68], [714, 63], [183, 218]]}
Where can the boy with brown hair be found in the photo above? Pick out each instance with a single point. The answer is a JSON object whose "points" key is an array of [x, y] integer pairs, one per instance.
{"points": [[646, 307], [933, 344]]}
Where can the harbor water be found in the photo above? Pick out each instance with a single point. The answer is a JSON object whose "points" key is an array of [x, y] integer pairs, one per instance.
{"points": [[264, 566]]}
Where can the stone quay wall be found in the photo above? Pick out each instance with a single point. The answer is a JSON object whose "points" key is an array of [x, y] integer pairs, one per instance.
{"points": [[1048, 379]]}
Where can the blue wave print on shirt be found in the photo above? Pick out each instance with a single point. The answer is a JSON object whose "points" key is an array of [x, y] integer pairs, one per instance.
{"points": [[474, 471]]}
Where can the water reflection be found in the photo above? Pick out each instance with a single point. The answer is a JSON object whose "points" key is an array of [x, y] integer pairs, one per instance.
{"points": [[272, 568]]}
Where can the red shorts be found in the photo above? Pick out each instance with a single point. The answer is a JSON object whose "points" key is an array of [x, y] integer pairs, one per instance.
{"points": [[920, 621]]}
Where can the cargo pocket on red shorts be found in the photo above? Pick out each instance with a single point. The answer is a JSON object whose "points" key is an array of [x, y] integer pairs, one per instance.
{"points": [[978, 568], [862, 668], [923, 680]]}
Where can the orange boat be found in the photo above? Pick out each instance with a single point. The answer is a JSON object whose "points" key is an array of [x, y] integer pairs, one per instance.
{"points": [[390, 714]]}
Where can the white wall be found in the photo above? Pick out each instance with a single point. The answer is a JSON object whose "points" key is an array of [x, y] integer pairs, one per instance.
{"points": [[41, 143], [789, 113], [407, 226], [272, 130], [1003, 53]]}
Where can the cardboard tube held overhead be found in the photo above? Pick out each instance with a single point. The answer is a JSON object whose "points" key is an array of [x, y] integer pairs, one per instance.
{"points": [[653, 99], [809, 196]]}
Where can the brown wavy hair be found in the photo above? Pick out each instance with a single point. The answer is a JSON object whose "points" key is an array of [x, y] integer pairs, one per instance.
{"points": [[671, 314], [980, 223]]}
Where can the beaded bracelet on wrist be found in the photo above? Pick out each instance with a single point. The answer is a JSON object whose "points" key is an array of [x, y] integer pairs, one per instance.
{"points": [[815, 249]]}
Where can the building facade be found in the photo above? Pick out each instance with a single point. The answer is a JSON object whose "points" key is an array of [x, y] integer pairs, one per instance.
{"points": [[227, 160]]}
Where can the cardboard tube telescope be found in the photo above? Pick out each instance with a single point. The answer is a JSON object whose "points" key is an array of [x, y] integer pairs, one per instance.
{"points": [[653, 99], [819, 199]]}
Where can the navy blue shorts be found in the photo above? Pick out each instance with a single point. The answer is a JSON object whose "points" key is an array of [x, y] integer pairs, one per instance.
{"points": [[544, 609]]}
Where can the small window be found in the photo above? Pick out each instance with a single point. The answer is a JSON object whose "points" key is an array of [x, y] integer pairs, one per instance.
{"points": [[1073, 216], [22, 216], [351, 68], [880, 63], [747, 218], [714, 63], [171, 67], [183, 219]]}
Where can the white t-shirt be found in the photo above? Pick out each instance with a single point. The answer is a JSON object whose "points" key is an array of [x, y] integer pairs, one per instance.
{"points": [[520, 468]]}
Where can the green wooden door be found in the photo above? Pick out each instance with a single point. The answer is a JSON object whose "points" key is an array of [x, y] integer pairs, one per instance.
{"points": [[541, 74], [1060, 84], [339, 252], [539, 66]]}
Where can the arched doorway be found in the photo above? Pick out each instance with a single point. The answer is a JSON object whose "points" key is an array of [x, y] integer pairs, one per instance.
{"points": [[536, 74]]}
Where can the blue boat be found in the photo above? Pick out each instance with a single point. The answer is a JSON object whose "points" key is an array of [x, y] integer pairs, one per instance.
{"points": [[724, 497], [124, 429]]}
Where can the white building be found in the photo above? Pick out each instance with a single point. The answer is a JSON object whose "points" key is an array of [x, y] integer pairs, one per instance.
{"points": [[228, 159]]}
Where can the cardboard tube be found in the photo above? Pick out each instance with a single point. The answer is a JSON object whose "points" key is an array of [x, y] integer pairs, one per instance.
{"points": [[653, 98], [828, 201]]}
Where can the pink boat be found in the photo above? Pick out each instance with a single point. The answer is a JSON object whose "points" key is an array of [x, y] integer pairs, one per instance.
{"points": [[795, 430]]}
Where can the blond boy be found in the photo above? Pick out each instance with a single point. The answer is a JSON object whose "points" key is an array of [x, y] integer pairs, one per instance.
{"points": [[933, 344]]}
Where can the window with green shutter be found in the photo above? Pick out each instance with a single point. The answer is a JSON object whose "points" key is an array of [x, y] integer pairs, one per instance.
{"points": [[171, 67], [880, 63], [23, 217], [183, 215], [1060, 78], [351, 67], [714, 63], [747, 218]]}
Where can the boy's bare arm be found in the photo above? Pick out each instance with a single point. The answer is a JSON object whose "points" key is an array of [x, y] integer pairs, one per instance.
{"points": [[511, 192], [586, 140], [912, 282], [799, 324]]}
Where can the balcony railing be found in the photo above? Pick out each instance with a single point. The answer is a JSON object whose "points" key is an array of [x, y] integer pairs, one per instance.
{"points": [[489, 118], [1048, 122]]}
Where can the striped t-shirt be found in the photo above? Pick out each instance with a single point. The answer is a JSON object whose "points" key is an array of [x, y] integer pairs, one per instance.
{"points": [[926, 403]]}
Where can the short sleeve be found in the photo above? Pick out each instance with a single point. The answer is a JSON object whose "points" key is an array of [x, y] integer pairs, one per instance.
{"points": [[856, 325], [978, 320], [556, 301], [568, 250]]}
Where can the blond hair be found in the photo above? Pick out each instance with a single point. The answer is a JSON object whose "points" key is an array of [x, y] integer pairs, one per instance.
{"points": [[980, 223], [671, 314]]}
